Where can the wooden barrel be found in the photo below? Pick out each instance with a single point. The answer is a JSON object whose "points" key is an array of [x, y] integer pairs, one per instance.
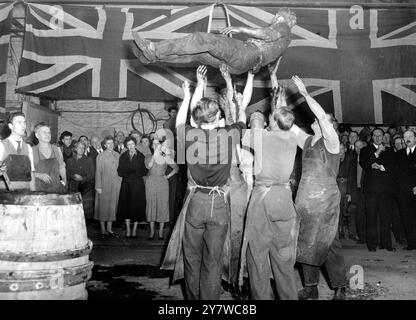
{"points": [[44, 248]]}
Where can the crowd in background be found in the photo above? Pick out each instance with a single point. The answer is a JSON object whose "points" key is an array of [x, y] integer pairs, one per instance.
{"points": [[377, 184], [131, 181]]}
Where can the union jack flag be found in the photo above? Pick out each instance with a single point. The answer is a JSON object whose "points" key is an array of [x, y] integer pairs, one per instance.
{"points": [[364, 75], [5, 16]]}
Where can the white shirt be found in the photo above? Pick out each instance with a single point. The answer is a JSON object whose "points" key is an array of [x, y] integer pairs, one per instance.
{"points": [[410, 149], [13, 139]]}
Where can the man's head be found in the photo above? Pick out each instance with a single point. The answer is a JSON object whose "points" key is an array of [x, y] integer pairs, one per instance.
{"points": [[257, 120], [66, 138], [95, 142], [120, 137], [84, 140], [377, 136], [386, 139], [282, 118], [358, 145], [17, 123], [352, 137], [206, 111], [43, 132], [399, 143], [409, 138], [173, 111], [287, 15]]}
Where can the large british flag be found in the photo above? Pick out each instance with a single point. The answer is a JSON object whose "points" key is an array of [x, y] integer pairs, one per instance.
{"points": [[5, 16], [364, 75]]}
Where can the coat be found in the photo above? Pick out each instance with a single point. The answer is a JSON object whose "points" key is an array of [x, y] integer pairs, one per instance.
{"points": [[108, 180]]}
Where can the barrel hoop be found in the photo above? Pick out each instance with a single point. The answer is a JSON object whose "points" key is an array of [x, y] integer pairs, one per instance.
{"points": [[18, 281], [46, 257], [38, 199]]}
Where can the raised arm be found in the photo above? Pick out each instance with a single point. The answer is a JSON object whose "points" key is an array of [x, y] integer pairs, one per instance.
{"points": [[329, 134], [229, 105], [183, 110], [273, 73], [201, 78], [201, 72], [248, 90]]}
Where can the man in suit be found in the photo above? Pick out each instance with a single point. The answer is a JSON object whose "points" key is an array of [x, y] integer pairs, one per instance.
{"points": [[355, 195], [119, 145], [94, 149], [351, 162], [378, 162], [406, 183]]}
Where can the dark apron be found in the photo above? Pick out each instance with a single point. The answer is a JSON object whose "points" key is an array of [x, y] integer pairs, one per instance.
{"points": [[19, 171], [50, 167], [317, 203]]}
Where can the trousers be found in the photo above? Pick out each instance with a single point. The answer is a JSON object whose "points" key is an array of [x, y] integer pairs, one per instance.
{"points": [[205, 230], [272, 244]]}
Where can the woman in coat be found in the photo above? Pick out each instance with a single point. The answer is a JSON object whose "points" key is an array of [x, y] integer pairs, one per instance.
{"points": [[132, 200], [107, 186]]}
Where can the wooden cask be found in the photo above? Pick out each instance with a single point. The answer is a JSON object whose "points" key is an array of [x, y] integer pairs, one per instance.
{"points": [[44, 248]]}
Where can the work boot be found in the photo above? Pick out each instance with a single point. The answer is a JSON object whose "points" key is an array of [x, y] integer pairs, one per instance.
{"points": [[309, 293], [339, 294]]}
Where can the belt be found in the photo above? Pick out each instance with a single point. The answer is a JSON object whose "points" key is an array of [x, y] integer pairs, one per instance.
{"points": [[271, 183], [212, 191]]}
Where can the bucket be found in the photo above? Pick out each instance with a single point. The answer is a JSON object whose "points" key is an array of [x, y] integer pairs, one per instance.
{"points": [[44, 248]]}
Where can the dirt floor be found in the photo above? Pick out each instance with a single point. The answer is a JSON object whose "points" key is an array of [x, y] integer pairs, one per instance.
{"points": [[129, 269]]}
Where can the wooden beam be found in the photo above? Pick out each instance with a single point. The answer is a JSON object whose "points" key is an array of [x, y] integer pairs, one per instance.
{"points": [[271, 3]]}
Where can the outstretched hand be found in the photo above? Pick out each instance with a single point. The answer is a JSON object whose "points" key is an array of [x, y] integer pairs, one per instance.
{"points": [[201, 74], [300, 85], [225, 72], [230, 30], [186, 88]]}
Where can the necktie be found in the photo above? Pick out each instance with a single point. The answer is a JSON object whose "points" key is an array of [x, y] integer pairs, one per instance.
{"points": [[19, 147], [409, 151]]}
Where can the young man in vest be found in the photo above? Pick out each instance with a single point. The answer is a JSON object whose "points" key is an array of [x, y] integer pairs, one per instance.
{"points": [[17, 156]]}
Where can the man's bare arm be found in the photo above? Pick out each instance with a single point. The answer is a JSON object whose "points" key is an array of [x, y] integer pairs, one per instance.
{"points": [[248, 90], [183, 110], [230, 108], [328, 131], [200, 86]]}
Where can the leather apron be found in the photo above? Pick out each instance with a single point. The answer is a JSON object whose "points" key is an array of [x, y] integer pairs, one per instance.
{"points": [[49, 166], [317, 203]]}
